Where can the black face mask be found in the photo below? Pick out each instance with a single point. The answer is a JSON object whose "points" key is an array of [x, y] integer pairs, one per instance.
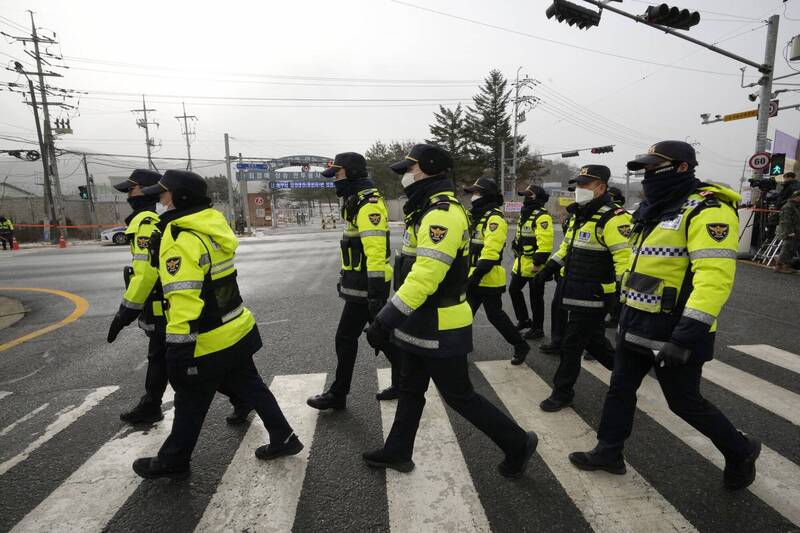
{"points": [[342, 188], [138, 203]]}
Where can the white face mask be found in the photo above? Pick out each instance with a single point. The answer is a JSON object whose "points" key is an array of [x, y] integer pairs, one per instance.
{"points": [[408, 180], [583, 196], [161, 208], [475, 197]]}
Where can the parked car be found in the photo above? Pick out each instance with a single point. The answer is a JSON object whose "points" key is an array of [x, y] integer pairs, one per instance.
{"points": [[114, 235]]}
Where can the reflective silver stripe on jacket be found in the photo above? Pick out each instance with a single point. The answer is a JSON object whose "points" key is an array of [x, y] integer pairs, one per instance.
{"points": [[416, 341], [353, 292], [477, 241], [619, 246], [144, 326], [662, 251], [557, 259], [204, 260], [373, 233], [141, 257], [376, 274], [132, 305], [222, 266], [401, 305], [582, 303], [700, 316], [647, 343], [350, 233], [435, 254], [182, 286], [713, 253], [227, 317], [409, 250], [181, 338], [589, 246]]}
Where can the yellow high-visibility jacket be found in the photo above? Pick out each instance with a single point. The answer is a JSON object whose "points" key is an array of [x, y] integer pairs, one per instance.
{"points": [[143, 292], [533, 242], [489, 235]]}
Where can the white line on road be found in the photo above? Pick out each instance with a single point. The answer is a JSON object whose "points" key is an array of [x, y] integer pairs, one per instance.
{"points": [[65, 418], [778, 400], [24, 419], [772, 355], [256, 495], [26, 376], [4, 393], [609, 503], [778, 479], [439, 494], [93, 494]]}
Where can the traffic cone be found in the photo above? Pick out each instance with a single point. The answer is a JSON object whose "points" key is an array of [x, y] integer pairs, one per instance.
{"points": [[61, 242], [14, 244]]}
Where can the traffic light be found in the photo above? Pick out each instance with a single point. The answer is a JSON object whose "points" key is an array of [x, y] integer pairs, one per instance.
{"points": [[569, 154], [672, 17], [777, 164], [602, 149], [573, 14], [83, 192]]}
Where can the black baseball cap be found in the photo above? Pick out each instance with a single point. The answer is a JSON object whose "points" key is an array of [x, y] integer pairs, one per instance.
{"points": [[192, 183], [141, 177], [589, 173], [432, 160], [354, 165], [665, 151], [534, 191], [484, 185]]}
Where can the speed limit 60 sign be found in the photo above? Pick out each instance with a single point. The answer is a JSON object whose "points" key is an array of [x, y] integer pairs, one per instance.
{"points": [[759, 161]]}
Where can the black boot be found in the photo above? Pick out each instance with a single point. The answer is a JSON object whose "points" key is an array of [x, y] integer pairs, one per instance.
{"points": [[524, 324], [291, 446], [550, 348], [534, 334], [520, 353], [740, 475], [551, 405], [143, 414], [380, 459], [239, 415], [389, 393], [153, 468], [327, 400], [514, 466], [592, 461]]}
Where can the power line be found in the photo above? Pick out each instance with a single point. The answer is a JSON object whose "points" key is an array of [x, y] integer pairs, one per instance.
{"points": [[276, 99]]}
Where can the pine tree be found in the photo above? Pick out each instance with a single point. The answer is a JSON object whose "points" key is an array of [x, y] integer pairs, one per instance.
{"points": [[448, 131]]}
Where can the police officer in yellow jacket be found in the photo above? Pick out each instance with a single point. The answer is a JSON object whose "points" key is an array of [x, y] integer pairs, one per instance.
{"points": [[365, 273], [6, 231], [487, 276], [210, 336], [592, 257], [684, 240], [430, 322], [532, 246]]}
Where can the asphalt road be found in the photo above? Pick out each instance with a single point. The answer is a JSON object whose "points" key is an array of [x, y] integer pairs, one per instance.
{"points": [[65, 456]]}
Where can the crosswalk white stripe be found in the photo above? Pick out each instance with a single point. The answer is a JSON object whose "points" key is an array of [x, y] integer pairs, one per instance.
{"points": [[438, 495], [65, 417], [778, 479], [778, 400], [772, 355], [4, 393], [609, 503], [91, 496], [256, 495], [24, 419]]}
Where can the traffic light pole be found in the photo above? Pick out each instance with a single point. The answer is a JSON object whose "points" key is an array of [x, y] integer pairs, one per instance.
{"points": [[90, 197], [231, 202], [766, 88]]}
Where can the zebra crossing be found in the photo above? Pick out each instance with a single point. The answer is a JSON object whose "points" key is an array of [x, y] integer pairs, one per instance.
{"points": [[442, 493]]}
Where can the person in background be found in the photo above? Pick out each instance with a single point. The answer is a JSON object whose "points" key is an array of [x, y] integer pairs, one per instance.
{"points": [[789, 233]]}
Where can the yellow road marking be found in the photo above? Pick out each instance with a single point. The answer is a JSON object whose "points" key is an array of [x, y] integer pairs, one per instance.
{"points": [[81, 306]]}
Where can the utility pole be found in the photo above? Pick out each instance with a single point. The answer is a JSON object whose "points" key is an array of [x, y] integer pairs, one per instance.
{"points": [[90, 193], [245, 205], [231, 209], [529, 102], [145, 123], [49, 207], [766, 87], [503, 185], [186, 133]]}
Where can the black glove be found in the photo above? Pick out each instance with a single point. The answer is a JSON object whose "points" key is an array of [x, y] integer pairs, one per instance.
{"points": [[375, 305], [378, 336], [672, 355], [481, 269], [548, 272], [124, 316]]}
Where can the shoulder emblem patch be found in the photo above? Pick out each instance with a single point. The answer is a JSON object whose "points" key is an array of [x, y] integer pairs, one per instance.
{"points": [[718, 231], [624, 230], [493, 226], [544, 224], [437, 233], [375, 218], [143, 242], [173, 264]]}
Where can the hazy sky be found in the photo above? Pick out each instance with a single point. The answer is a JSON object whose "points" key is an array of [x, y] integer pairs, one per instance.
{"points": [[405, 59]]}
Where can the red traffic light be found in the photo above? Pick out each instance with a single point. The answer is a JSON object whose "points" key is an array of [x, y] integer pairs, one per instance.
{"points": [[672, 17]]}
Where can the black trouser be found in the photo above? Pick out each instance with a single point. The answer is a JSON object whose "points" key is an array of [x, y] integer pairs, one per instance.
{"points": [[558, 316], [194, 392], [518, 300], [155, 381], [451, 377], [681, 387], [6, 238], [493, 305], [355, 316], [585, 330]]}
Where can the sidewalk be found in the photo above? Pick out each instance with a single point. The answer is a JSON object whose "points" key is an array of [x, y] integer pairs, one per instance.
{"points": [[11, 312]]}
